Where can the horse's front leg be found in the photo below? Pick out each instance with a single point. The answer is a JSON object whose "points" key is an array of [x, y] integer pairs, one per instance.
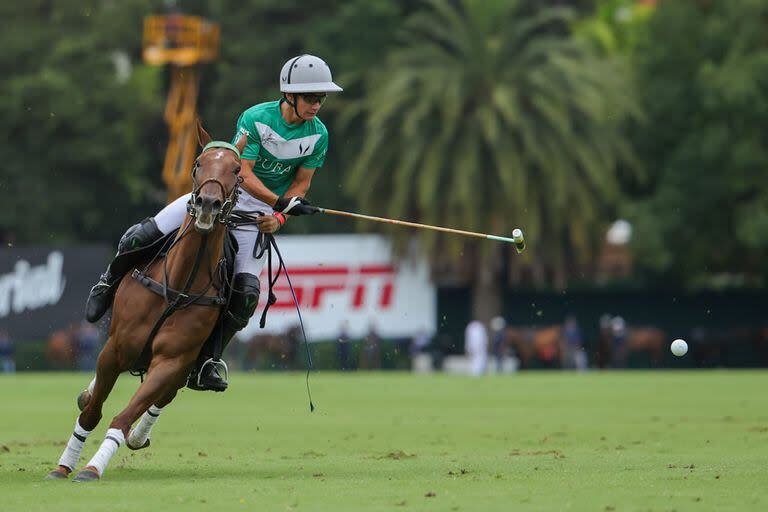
{"points": [[139, 436], [163, 376], [108, 368]]}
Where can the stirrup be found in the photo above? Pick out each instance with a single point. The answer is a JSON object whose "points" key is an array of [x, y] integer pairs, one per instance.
{"points": [[219, 365], [98, 288]]}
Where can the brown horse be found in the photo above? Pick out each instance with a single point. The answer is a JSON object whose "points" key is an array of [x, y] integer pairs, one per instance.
{"points": [[541, 346], [646, 340], [173, 325]]}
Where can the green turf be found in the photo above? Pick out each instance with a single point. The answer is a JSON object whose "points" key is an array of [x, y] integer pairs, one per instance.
{"points": [[656, 441]]}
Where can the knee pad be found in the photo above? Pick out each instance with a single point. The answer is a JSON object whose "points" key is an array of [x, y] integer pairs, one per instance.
{"points": [[245, 297], [139, 235]]}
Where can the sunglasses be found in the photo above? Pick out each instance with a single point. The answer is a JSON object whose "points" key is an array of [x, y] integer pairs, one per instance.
{"points": [[313, 98]]}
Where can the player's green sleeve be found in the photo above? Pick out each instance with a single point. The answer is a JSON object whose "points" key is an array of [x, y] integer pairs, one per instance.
{"points": [[251, 150]]}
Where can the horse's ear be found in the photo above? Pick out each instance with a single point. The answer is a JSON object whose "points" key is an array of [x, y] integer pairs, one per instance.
{"points": [[202, 136], [241, 142]]}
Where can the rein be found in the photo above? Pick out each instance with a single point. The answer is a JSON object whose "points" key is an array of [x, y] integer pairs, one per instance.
{"points": [[266, 242]]}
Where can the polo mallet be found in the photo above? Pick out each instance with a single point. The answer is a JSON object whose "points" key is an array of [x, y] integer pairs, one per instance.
{"points": [[517, 234]]}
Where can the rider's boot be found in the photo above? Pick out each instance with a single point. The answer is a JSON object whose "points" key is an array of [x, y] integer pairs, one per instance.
{"points": [[245, 295], [138, 236]]}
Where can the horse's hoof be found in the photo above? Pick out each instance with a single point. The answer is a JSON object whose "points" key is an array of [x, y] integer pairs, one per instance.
{"points": [[57, 474], [86, 475], [83, 398], [128, 444]]}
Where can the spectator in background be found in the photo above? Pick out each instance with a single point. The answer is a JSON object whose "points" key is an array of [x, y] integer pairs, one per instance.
{"points": [[420, 359], [290, 353], [7, 353], [370, 355], [253, 357], [402, 352], [342, 347], [476, 347], [87, 341], [619, 336], [442, 345], [61, 349], [498, 341], [574, 356], [420, 342], [604, 342]]}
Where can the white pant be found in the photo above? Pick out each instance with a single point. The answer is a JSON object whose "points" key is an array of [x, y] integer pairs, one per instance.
{"points": [[171, 217]]}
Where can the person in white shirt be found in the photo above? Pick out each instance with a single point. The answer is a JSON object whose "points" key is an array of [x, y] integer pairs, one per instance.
{"points": [[476, 347]]}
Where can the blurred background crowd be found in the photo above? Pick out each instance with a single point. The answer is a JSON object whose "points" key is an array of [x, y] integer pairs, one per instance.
{"points": [[608, 343]]}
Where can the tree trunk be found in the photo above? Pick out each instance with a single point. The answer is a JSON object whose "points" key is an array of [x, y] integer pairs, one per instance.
{"points": [[488, 285]]}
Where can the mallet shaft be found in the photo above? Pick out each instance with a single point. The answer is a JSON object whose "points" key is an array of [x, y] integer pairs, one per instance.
{"points": [[517, 238]]}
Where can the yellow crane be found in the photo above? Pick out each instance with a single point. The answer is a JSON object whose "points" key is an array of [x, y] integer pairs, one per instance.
{"points": [[182, 42]]}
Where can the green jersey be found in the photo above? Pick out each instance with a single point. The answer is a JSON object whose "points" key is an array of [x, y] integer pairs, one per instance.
{"points": [[280, 148]]}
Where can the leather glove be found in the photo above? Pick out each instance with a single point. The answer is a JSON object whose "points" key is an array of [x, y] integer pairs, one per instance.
{"points": [[295, 206]]}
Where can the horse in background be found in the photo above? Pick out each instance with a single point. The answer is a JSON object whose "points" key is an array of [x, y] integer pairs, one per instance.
{"points": [[165, 331], [275, 351], [645, 340], [545, 347]]}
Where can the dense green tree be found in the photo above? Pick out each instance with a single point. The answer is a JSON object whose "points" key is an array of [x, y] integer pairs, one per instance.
{"points": [[491, 116], [63, 91], [477, 114], [703, 78], [616, 26], [76, 159]]}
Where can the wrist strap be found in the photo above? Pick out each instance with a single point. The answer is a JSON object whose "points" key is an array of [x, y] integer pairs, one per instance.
{"points": [[280, 217]]}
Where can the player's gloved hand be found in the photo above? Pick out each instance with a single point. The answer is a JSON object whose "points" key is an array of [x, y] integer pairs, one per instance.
{"points": [[294, 206]]}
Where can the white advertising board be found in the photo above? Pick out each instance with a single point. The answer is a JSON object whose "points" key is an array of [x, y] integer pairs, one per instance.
{"points": [[347, 278]]}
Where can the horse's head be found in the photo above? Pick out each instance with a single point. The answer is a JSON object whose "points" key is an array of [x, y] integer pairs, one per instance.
{"points": [[215, 180]]}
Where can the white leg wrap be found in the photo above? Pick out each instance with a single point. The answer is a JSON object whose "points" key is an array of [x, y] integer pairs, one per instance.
{"points": [[109, 446], [71, 454], [140, 433]]}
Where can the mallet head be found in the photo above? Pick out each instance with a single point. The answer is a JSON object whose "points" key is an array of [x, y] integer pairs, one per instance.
{"points": [[517, 236]]}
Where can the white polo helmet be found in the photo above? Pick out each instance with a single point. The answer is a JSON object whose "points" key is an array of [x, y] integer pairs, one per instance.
{"points": [[307, 73]]}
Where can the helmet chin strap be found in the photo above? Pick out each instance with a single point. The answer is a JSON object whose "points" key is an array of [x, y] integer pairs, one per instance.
{"points": [[293, 104]]}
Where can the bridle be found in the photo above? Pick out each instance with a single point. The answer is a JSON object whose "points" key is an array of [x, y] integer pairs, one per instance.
{"points": [[229, 201]]}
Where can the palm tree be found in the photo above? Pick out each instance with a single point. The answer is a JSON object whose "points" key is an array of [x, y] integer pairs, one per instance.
{"points": [[491, 116]]}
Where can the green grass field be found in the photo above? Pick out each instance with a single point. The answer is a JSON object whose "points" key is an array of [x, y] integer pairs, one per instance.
{"points": [[657, 441]]}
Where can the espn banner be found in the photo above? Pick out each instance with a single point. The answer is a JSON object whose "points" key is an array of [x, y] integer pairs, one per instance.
{"points": [[347, 278], [43, 289]]}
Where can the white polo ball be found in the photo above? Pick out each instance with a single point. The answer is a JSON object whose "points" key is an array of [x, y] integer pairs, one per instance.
{"points": [[679, 347]]}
